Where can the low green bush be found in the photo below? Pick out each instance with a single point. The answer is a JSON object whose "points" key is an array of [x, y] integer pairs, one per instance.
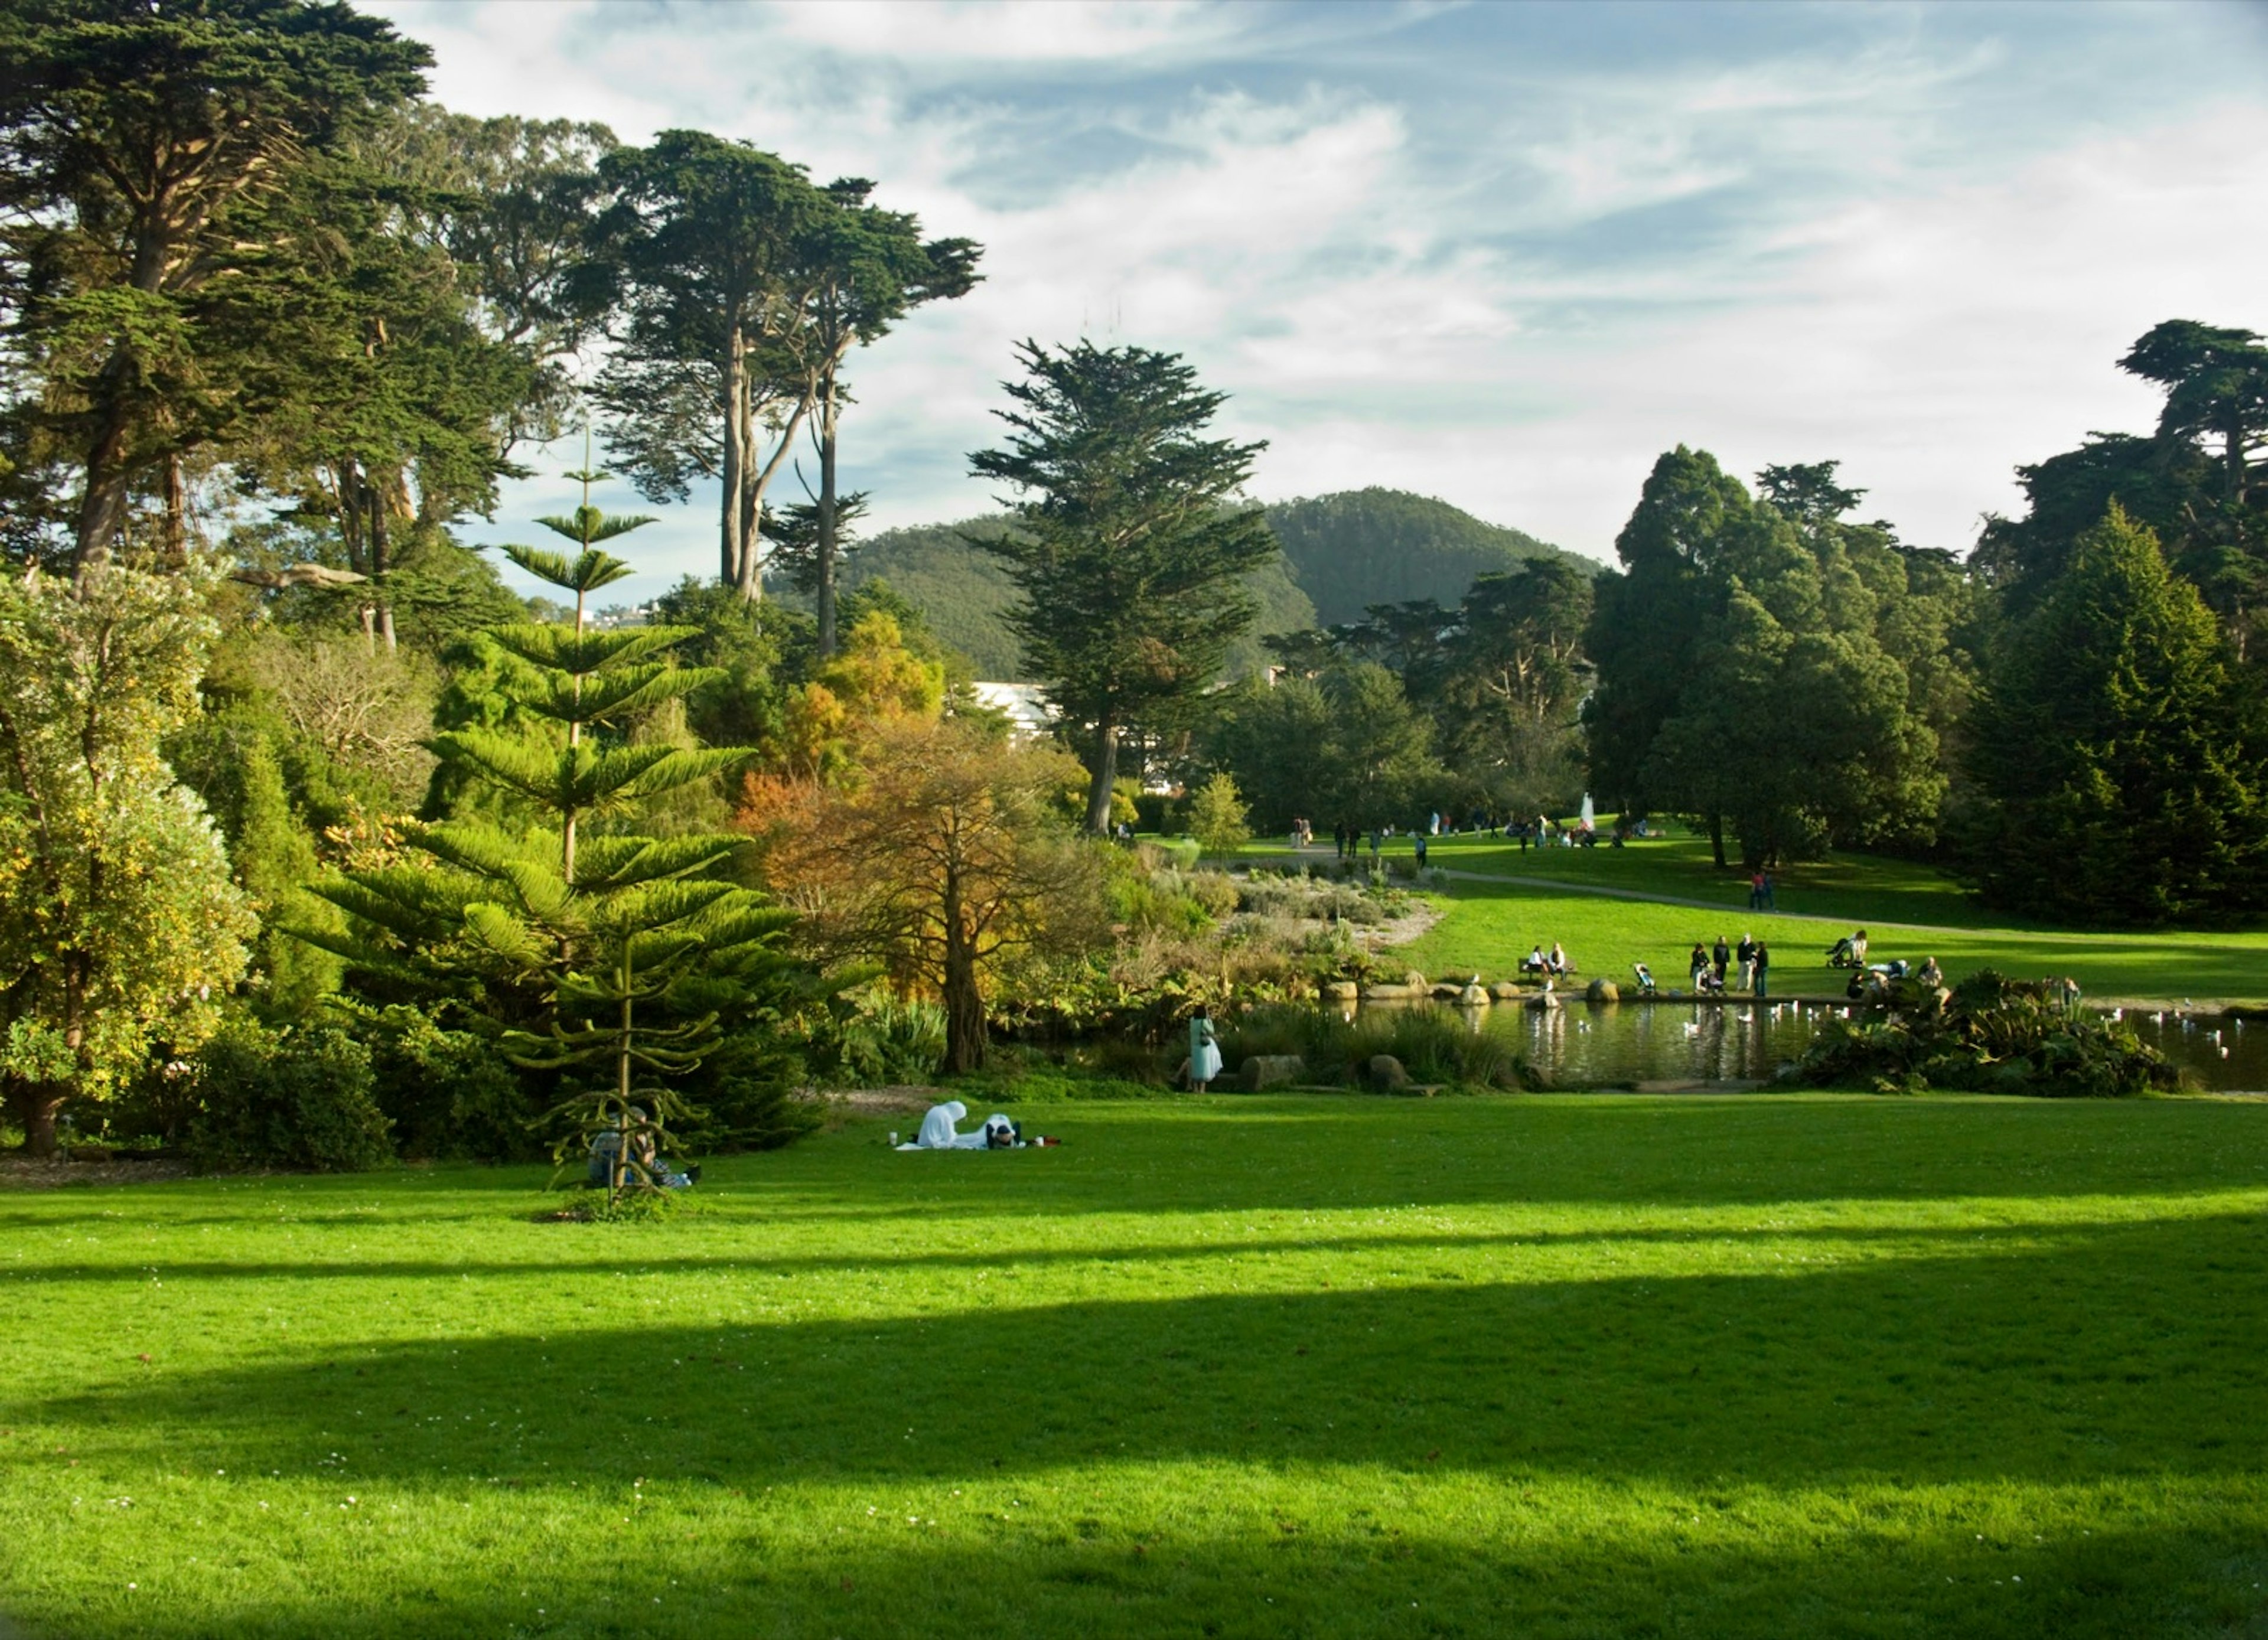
{"points": [[449, 1094], [1041, 1085], [1994, 1035], [301, 1098]]}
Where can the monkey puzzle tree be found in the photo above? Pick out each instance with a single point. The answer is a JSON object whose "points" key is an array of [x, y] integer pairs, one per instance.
{"points": [[632, 953]]}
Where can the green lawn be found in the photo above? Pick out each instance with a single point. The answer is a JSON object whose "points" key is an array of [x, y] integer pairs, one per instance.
{"points": [[1910, 910], [1579, 1366]]}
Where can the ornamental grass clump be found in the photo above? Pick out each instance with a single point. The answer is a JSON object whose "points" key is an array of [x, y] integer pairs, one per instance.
{"points": [[1991, 1035]]}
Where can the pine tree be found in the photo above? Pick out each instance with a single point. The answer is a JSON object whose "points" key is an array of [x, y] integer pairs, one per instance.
{"points": [[2116, 751], [631, 954]]}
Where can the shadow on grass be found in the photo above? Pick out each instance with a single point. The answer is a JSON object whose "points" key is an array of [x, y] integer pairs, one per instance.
{"points": [[1911, 1242], [1898, 1408], [1369, 1576], [2125, 1352], [1277, 1153]]}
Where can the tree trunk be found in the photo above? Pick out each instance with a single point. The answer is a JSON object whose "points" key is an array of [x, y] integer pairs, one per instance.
{"points": [[177, 514], [1104, 775], [732, 547], [102, 513], [1717, 839], [381, 561], [827, 520], [964, 1002], [37, 1105]]}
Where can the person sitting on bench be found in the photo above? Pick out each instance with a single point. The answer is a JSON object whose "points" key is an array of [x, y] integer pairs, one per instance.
{"points": [[1533, 962]]}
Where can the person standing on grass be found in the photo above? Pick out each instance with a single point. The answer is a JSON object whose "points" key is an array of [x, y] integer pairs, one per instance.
{"points": [[1697, 965], [1768, 891], [1757, 889], [1747, 954], [1204, 1051], [1762, 969], [1720, 956], [1421, 850]]}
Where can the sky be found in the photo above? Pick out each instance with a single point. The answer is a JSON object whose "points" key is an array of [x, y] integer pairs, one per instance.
{"points": [[1501, 254]]}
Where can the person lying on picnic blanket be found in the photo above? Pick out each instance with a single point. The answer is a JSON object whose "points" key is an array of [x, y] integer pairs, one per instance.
{"points": [[938, 1133]]}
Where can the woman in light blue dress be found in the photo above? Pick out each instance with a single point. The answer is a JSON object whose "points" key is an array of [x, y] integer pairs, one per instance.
{"points": [[1204, 1051]]}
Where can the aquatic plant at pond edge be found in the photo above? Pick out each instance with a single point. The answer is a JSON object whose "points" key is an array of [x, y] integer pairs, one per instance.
{"points": [[1989, 1035]]}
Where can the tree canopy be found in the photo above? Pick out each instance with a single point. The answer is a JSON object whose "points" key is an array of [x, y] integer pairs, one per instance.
{"points": [[1130, 543]]}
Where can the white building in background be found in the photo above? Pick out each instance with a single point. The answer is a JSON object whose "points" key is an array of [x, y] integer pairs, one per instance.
{"points": [[1025, 706]]}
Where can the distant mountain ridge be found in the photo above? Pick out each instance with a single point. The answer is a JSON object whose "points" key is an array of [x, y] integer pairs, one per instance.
{"points": [[1341, 553], [1362, 546]]}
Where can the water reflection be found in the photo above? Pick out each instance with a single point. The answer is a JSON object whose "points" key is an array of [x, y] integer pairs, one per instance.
{"points": [[1624, 1044]]}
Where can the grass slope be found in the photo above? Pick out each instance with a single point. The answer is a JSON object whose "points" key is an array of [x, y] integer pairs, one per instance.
{"points": [[1565, 1366], [1910, 910]]}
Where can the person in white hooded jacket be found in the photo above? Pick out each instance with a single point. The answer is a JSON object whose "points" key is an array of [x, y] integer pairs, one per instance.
{"points": [[937, 1130]]}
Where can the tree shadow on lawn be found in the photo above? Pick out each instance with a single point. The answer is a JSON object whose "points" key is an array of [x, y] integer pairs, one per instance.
{"points": [[2129, 1351], [1370, 1573], [1914, 1404], [2041, 1234]]}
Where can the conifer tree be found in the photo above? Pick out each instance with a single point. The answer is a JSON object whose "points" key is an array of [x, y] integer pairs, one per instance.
{"points": [[2116, 751], [1130, 550], [627, 954]]}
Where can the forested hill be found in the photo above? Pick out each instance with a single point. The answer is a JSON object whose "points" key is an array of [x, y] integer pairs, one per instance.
{"points": [[1341, 553], [1363, 547]]}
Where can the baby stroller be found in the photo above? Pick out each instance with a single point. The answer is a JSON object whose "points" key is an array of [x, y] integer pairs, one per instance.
{"points": [[1645, 978], [1849, 952], [1705, 982]]}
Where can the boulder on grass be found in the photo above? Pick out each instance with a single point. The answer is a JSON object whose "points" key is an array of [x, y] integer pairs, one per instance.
{"points": [[1387, 1075], [1602, 991], [1270, 1070]]}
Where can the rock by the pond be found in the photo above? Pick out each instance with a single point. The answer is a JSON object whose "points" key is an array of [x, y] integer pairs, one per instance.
{"points": [[1545, 999], [1387, 1075], [1505, 990], [1270, 1070], [1446, 990], [1390, 992], [1603, 991], [1414, 978], [1342, 990], [1474, 995]]}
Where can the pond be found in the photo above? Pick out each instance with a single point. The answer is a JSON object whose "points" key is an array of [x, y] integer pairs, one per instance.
{"points": [[1626, 1044]]}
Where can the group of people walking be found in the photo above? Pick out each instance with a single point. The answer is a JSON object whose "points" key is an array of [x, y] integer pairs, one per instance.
{"points": [[1746, 966]]}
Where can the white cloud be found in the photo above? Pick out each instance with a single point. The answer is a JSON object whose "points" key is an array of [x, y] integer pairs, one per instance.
{"points": [[1426, 254]]}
